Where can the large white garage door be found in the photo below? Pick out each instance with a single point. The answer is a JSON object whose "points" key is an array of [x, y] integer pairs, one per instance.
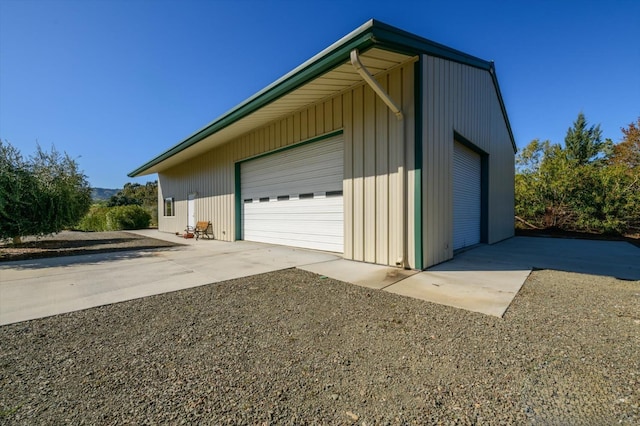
{"points": [[466, 196], [294, 197]]}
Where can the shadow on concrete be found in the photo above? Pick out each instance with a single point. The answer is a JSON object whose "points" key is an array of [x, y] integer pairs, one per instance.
{"points": [[617, 259], [96, 256]]}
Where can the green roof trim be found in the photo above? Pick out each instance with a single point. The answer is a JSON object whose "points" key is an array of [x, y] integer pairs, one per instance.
{"points": [[371, 34]]}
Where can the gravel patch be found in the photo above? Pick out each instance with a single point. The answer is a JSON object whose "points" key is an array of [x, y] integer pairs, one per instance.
{"points": [[70, 243], [291, 347]]}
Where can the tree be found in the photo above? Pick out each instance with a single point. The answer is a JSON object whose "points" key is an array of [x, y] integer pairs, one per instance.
{"points": [[145, 196], [584, 144], [599, 193], [42, 195], [627, 152], [18, 187], [136, 194], [544, 184]]}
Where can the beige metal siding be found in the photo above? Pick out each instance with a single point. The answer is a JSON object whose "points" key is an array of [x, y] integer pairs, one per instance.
{"points": [[461, 98], [372, 202]]}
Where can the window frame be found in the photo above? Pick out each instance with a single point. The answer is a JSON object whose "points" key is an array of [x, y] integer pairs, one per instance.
{"points": [[170, 203]]}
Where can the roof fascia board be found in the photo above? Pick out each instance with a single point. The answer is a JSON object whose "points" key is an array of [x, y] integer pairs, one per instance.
{"points": [[393, 38], [502, 106]]}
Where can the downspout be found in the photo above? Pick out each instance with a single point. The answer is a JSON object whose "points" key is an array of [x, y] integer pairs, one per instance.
{"points": [[402, 206]]}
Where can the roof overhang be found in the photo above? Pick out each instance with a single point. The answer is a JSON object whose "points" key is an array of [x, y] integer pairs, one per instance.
{"points": [[328, 73]]}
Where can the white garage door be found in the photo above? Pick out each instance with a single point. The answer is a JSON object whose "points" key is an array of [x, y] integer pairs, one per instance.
{"points": [[294, 197], [466, 196]]}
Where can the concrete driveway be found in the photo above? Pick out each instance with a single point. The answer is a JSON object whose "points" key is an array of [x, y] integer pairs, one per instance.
{"points": [[484, 279], [38, 288]]}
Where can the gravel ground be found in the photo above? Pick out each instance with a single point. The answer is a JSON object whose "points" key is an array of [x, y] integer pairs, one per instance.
{"points": [[290, 347], [70, 243]]}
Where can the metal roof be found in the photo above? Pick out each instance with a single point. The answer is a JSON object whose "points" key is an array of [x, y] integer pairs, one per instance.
{"points": [[329, 72]]}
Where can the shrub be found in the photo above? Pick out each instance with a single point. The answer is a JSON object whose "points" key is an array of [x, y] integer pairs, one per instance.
{"points": [[127, 217], [117, 218], [95, 220]]}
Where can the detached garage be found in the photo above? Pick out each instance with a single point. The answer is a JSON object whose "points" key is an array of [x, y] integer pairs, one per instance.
{"points": [[385, 147]]}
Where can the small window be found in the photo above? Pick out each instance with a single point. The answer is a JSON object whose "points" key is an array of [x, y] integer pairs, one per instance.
{"points": [[264, 199], [334, 193], [306, 196], [248, 200], [283, 197], [169, 209]]}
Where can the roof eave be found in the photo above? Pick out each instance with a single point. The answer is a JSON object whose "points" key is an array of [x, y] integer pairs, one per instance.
{"points": [[324, 61], [372, 33]]}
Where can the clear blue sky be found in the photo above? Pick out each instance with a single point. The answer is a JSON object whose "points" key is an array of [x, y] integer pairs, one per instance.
{"points": [[114, 83]]}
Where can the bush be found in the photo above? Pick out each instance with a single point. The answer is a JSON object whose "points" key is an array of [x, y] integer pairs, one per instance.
{"points": [[117, 218], [127, 217], [95, 220]]}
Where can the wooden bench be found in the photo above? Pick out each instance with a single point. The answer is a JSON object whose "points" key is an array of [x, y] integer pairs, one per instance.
{"points": [[203, 229]]}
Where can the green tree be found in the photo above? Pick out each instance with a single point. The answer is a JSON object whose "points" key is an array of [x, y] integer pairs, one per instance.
{"points": [[18, 187], [596, 194], [145, 196], [544, 184], [584, 144], [42, 195]]}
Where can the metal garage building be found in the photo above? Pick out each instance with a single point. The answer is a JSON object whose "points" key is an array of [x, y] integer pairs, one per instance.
{"points": [[386, 147]]}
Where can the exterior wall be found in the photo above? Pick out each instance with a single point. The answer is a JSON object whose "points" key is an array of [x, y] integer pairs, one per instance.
{"points": [[372, 202], [461, 98]]}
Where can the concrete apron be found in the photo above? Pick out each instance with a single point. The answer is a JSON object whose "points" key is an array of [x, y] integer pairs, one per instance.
{"points": [[486, 292]]}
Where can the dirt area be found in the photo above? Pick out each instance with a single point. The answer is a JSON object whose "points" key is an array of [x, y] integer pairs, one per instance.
{"points": [[292, 347], [70, 243]]}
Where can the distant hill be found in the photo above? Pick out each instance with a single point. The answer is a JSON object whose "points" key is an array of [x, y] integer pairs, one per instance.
{"points": [[98, 194]]}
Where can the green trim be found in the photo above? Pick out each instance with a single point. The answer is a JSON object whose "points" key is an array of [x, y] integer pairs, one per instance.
{"points": [[392, 38], [492, 71], [417, 196], [295, 145], [238, 173], [238, 202], [372, 34]]}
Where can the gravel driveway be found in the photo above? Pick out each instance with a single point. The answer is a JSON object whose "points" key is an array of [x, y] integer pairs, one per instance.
{"points": [[290, 347]]}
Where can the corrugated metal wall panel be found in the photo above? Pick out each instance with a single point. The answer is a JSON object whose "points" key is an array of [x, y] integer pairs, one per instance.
{"points": [[372, 203], [463, 99], [408, 108], [358, 173], [382, 178], [369, 159], [395, 153]]}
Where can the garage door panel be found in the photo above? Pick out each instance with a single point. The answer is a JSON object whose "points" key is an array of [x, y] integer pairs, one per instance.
{"points": [[304, 215], [300, 184], [302, 235]]}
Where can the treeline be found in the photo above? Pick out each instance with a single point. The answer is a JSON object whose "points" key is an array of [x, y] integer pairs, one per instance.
{"points": [[587, 185], [135, 206]]}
